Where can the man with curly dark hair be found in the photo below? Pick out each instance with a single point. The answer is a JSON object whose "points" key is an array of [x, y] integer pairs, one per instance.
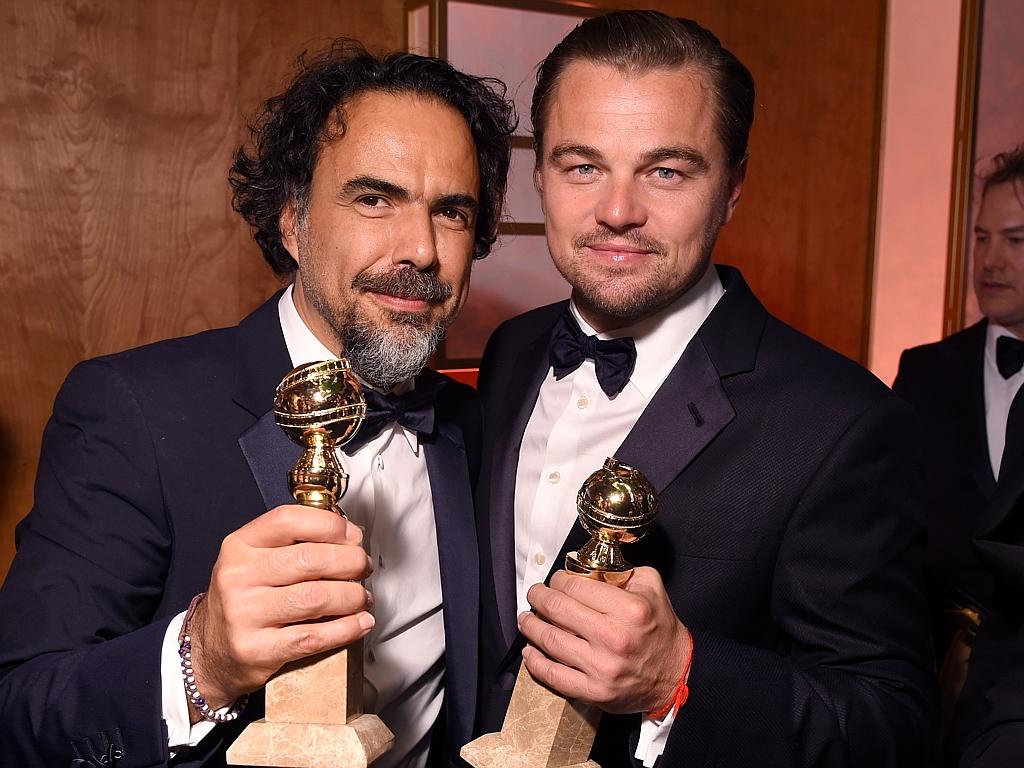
{"points": [[371, 183]]}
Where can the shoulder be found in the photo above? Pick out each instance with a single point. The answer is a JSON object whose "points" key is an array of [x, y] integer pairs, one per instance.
{"points": [[941, 361]]}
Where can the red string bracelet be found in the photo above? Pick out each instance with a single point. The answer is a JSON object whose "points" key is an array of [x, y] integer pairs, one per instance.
{"points": [[682, 692]]}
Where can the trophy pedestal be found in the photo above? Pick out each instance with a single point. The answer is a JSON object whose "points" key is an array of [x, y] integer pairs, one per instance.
{"points": [[541, 730], [314, 717]]}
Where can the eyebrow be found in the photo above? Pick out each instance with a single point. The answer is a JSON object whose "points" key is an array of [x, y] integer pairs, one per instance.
{"points": [[457, 200], [1018, 230], [692, 157], [685, 154], [373, 184]]}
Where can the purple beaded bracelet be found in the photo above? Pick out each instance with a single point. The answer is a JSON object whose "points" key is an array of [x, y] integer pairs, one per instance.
{"points": [[205, 711]]}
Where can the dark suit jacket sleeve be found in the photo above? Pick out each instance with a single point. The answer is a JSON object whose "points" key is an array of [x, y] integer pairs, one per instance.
{"points": [[850, 683], [79, 650]]}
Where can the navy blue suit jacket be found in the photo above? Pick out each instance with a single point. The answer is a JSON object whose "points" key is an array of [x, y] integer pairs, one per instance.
{"points": [[789, 539], [151, 458]]}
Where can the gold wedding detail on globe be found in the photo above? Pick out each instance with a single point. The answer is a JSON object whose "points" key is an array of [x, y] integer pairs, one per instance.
{"points": [[616, 505], [314, 706]]}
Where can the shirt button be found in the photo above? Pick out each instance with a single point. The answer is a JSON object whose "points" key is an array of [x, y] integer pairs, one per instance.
{"points": [[583, 402], [540, 558], [380, 561], [379, 463], [370, 657], [554, 477]]}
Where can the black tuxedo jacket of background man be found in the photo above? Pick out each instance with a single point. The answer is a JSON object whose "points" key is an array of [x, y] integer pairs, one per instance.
{"points": [[944, 382], [789, 539], [151, 458], [988, 723]]}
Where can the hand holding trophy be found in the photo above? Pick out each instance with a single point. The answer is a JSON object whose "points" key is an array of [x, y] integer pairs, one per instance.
{"points": [[616, 505], [314, 708]]}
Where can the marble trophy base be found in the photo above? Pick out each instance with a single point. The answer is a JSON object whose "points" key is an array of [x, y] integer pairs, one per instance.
{"points": [[541, 730], [314, 718]]}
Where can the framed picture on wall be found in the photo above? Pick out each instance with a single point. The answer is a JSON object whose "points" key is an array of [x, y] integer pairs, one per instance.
{"points": [[505, 40], [990, 120]]}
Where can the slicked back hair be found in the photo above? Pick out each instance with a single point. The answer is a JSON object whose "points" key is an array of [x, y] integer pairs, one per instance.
{"points": [[638, 42], [288, 134]]}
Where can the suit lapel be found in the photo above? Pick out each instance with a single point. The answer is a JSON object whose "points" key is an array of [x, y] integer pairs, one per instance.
{"points": [[532, 364], [447, 466], [271, 455], [686, 414], [973, 423]]}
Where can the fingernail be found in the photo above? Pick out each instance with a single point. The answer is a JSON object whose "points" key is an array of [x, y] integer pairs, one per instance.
{"points": [[366, 621], [527, 651], [520, 617]]}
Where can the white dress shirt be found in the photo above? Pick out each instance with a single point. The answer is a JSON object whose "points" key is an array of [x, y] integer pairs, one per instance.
{"points": [[999, 394], [575, 426], [389, 497]]}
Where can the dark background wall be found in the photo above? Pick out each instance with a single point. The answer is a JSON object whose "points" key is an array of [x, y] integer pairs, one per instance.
{"points": [[118, 119]]}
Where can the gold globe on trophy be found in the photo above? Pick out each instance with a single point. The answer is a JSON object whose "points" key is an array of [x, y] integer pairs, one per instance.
{"points": [[314, 706], [616, 505], [320, 406]]}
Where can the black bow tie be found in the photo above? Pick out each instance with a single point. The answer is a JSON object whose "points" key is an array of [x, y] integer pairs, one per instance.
{"points": [[1009, 355], [414, 410], [614, 359]]}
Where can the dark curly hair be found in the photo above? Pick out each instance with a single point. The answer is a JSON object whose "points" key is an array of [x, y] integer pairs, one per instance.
{"points": [[637, 42], [1007, 168], [288, 134]]}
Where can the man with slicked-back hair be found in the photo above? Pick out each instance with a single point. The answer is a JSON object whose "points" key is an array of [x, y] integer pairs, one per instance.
{"points": [[777, 616]]}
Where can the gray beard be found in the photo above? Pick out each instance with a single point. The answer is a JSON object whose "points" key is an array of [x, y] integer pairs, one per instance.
{"points": [[384, 357]]}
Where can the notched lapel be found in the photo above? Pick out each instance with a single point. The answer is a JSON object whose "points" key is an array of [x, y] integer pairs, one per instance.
{"points": [[687, 413], [271, 455]]}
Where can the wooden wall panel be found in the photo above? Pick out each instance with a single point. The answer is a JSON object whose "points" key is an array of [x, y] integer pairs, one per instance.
{"points": [[118, 120]]}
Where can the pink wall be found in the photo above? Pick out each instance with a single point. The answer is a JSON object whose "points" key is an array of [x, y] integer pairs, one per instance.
{"points": [[914, 179]]}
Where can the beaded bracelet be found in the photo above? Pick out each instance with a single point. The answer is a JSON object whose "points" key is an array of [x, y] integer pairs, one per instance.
{"points": [[205, 711], [682, 691]]}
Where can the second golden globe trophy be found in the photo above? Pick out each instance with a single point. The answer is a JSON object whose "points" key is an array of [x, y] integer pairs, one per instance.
{"points": [[616, 506], [314, 711]]}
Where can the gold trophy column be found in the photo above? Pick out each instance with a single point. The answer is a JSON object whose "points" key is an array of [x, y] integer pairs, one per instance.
{"points": [[542, 729], [314, 713]]}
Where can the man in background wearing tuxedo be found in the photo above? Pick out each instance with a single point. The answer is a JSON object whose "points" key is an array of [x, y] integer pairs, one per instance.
{"points": [[782, 590], [963, 388]]}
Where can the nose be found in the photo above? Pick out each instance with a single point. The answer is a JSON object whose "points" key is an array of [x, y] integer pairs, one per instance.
{"points": [[621, 206], [990, 255], [418, 247]]}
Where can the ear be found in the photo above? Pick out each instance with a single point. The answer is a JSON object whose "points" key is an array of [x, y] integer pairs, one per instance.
{"points": [[288, 224], [538, 184], [736, 179]]}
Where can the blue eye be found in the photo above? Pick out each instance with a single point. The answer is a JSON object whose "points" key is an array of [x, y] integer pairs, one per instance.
{"points": [[666, 173], [585, 170]]}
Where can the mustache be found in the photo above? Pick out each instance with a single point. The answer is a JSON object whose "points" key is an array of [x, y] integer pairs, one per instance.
{"points": [[632, 237], [405, 283]]}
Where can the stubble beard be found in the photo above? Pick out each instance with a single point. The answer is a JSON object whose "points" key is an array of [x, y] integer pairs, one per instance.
{"points": [[625, 295]]}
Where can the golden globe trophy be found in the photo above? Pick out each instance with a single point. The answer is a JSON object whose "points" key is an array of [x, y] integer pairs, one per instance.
{"points": [[616, 505], [314, 712]]}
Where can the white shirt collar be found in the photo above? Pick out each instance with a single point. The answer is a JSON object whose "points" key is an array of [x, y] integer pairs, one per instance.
{"points": [[304, 347], [661, 339]]}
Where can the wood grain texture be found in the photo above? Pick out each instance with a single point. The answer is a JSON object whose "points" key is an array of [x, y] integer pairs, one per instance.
{"points": [[117, 127]]}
